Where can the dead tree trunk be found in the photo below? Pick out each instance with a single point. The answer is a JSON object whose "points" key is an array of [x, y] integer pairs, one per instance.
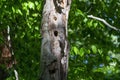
{"points": [[54, 48]]}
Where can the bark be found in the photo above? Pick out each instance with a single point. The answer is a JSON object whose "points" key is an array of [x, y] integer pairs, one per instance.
{"points": [[54, 48]]}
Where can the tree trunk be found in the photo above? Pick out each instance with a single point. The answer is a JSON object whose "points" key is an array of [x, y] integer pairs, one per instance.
{"points": [[54, 48]]}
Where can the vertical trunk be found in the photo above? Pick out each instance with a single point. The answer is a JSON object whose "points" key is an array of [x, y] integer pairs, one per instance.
{"points": [[54, 48]]}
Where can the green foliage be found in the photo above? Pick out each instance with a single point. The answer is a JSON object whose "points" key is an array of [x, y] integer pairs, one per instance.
{"points": [[95, 48], [23, 17]]}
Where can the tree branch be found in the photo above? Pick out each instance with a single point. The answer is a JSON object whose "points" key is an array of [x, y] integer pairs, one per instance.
{"points": [[16, 74], [105, 22]]}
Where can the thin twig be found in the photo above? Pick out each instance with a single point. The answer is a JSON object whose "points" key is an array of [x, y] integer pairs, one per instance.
{"points": [[105, 22]]}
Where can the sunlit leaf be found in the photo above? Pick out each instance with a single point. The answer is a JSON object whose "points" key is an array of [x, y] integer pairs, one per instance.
{"points": [[39, 6], [108, 58], [79, 12], [95, 25], [90, 24], [75, 49], [36, 3], [35, 15], [31, 5], [13, 9], [36, 28], [19, 11], [81, 52], [85, 20], [94, 49]]}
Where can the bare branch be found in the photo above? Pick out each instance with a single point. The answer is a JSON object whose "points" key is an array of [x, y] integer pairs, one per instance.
{"points": [[105, 22], [16, 74]]}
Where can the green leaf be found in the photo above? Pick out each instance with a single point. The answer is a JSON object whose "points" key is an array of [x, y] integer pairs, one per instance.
{"points": [[35, 15], [95, 25], [85, 20], [79, 12], [23, 34], [31, 5], [101, 24], [81, 52], [108, 58], [94, 49], [75, 49], [36, 3], [13, 9], [19, 11], [24, 6], [90, 23], [88, 51], [99, 51], [36, 28]]}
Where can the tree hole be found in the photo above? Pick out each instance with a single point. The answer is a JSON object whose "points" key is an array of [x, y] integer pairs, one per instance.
{"points": [[56, 33], [55, 18]]}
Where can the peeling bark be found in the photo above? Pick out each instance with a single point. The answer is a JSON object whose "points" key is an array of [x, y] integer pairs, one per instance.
{"points": [[54, 48]]}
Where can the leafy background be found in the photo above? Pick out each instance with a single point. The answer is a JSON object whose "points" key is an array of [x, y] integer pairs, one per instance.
{"points": [[95, 48]]}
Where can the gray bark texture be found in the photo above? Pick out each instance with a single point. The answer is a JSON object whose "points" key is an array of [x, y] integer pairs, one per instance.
{"points": [[54, 48]]}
